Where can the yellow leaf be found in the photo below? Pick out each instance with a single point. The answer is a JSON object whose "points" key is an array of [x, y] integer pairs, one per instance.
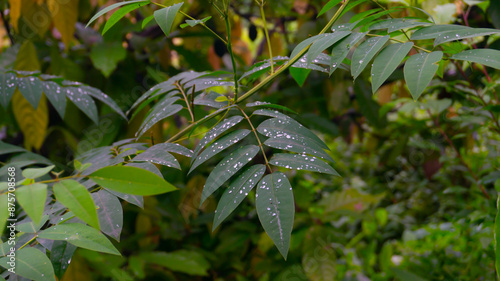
{"points": [[27, 58], [15, 12], [36, 17], [64, 15], [33, 123]]}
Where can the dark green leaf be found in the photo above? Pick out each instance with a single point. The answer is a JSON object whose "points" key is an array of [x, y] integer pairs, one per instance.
{"points": [[486, 57], [157, 154], [158, 116], [276, 209], [56, 97], [83, 101], [193, 23], [78, 200], [323, 43], [177, 148], [147, 20], [365, 52], [387, 61], [299, 75], [419, 70], [7, 88], [276, 127], [218, 146], [397, 24], [305, 43], [7, 148], [131, 180], [81, 236], [134, 199], [433, 31], [105, 56], [227, 168], [270, 113], [31, 88], [302, 162], [110, 213], [237, 191], [32, 199], [341, 49], [32, 264], [463, 34], [298, 144], [60, 256], [96, 93], [267, 104], [216, 131], [165, 17]]}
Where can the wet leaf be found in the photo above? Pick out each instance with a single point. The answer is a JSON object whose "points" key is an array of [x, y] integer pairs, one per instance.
{"points": [[463, 34], [60, 256], [341, 49], [325, 42], [97, 94], [215, 132], [32, 200], [218, 146], [133, 199], [397, 24], [486, 57], [237, 191], [77, 199], [227, 168], [365, 52], [302, 162], [81, 236], [158, 116], [387, 61], [433, 31], [298, 144], [56, 96], [32, 264], [83, 101], [157, 154], [276, 209], [289, 128], [7, 86], [31, 89], [131, 180], [419, 70], [110, 213], [270, 113]]}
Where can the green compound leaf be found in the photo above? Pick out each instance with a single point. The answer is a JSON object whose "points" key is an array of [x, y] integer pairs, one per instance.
{"points": [[365, 52], [81, 236], [227, 168], [54, 93], [397, 24], [60, 256], [302, 162], [419, 70], [193, 23], [276, 209], [165, 17], [32, 264], [32, 199], [328, 6], [131, 180], [270, 113], [387, 61], [77, 199], [31, 88], [83, 101], [486, 57], [218, 146], [236, 192]]}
